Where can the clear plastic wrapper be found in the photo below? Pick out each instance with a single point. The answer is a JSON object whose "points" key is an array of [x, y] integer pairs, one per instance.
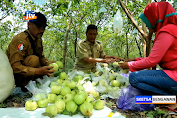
{"points": [[117, 22], [73, 73], [102, 9], [114, 93], [42, 90]]}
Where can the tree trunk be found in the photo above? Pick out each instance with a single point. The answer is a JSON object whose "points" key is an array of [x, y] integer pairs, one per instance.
{"points": [[138, 45], [65, 43], [75, 45], [148, 41], [127, 46], [142, 34], [144, 41]]}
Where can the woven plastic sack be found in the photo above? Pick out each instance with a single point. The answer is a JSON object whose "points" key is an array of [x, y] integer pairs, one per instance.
{"points": [[127, 100], [7, 82]]}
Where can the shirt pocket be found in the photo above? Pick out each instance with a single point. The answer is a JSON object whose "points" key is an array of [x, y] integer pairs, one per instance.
{"points": [[90, 53], [39, 51], [97, 53]]}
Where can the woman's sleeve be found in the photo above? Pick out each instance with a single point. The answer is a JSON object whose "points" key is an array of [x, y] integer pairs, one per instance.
{"points": [[160, 47]]}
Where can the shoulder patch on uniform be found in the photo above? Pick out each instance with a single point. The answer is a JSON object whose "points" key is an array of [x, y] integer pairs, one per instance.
{"points": [[82, 41], [20, 47], [99, 42], [22, 35]]}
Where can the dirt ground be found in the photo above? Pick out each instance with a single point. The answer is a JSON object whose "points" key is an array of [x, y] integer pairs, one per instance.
{"points": [[15, 101]]}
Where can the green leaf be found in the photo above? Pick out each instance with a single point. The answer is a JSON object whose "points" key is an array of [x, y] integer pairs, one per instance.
{"points": [[161, 112], [57, 74], [76, 88], [87, 80], [86, 116], [110, 104], [97, 98], [47, 114], [76, 111], [97, 84], [150, 115], [70, 114], [65, 112], [100, 73]]}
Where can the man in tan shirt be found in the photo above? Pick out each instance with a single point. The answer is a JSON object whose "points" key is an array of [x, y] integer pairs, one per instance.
{"points": [[25, 53], [90, 51]]}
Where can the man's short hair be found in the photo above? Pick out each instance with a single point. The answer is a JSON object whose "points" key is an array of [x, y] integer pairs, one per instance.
{"points": [[91, 27]]}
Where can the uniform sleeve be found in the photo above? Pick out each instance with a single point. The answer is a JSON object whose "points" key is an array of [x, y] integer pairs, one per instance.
{"points": [[17, 50], [43, 61], [82, 51], [102, 53]]}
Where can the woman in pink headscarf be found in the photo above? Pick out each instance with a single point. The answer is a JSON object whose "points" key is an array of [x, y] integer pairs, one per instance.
{"points": [[159, 17]]}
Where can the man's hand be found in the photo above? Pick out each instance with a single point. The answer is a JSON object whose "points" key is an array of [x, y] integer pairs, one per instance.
{"points": [[109, 60], [124, 65], [114, 57], [45, 70], [49, 62], [127, 60], [119, 59]]}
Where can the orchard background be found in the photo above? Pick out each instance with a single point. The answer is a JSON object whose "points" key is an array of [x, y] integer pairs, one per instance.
{"points": [[67, 22]]}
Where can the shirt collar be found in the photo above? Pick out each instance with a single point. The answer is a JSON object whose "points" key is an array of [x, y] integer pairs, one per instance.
{"points": [[30, 34], [93, 44]]}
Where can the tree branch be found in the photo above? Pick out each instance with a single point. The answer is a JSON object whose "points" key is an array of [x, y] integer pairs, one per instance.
{"points": [[65, 42], [132, 19]]}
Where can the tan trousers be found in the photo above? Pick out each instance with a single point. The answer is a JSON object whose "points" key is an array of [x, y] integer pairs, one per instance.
{"points": [[22, 80]]}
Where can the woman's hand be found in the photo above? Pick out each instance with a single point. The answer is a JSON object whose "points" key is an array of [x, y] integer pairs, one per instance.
{"points": [[124, 65]]}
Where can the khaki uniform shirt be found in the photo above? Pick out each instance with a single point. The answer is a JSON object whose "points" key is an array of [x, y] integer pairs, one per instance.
{"points": [[87, 49], [19, 49]]}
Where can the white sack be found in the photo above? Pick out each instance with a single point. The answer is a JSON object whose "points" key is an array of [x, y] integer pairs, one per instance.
{"points": [[7, 82]]}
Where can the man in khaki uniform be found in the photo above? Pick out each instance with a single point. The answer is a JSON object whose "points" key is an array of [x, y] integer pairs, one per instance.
{"points": [[25, 53], [90, 51]]}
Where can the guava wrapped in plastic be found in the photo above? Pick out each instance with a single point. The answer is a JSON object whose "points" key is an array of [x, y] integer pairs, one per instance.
{"points": [[117, 22]]}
